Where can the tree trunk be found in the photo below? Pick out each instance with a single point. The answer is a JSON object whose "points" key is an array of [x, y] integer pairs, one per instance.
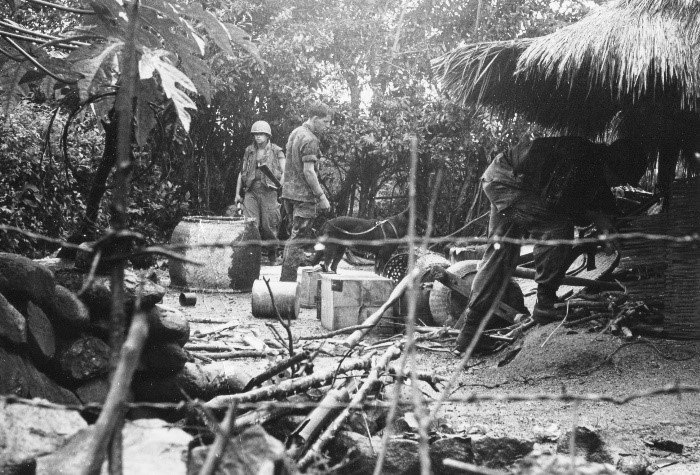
{"points": [[87, 230]]}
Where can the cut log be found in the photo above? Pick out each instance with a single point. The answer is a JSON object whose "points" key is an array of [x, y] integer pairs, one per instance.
{"points": [[84, 358], [21, 277], [163, 358], [168, 324], [18, 376], [197, 381], [40, 330], [67, 308], [13, 325]]}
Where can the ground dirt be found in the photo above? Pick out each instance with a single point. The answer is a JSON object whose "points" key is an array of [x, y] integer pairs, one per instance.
{"points": [[580, 361]]}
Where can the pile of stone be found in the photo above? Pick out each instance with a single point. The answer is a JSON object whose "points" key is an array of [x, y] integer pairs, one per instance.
{"points": [[54, 345]]}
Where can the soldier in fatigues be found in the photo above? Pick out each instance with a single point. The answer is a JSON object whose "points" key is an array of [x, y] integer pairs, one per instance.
{"points": [[542, 188], [302, 195], [260, 200]]}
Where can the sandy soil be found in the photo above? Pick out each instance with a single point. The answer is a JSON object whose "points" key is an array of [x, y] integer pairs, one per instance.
{"points": [[572, 361]]}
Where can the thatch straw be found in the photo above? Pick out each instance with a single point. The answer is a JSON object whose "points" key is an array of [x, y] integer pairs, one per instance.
{"points": [[577, 79]]}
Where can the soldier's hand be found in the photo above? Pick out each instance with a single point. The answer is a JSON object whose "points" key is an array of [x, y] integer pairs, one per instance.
{"points": [[323, 203]]}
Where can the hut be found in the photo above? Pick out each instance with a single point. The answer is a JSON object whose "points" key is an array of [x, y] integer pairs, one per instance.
{"points": [[630, 68]]}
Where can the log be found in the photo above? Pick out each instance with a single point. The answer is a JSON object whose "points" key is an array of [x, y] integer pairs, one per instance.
{"points": [[242, 354], [84, 358], [21, 277], [276, 369], [197, 381], [168, 324], [13, 325], [41, 331], [291, 386]]}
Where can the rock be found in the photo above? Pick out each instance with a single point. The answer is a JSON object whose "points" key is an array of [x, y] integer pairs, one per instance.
{"points": [[456, 448], [21, 277], [84, 358], [589, 444], [635, 465], [168, 324], [13, 325], [253, 452], [98, 297], [401, 454], [68, 309], [93, 391], [27, 432], [163, 358], [150, 446], [561, 465], [40, 330], [18, 376], [499, 452]]}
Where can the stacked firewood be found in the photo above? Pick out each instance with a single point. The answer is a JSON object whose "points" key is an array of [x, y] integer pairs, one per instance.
{"points": [[54, 344]]}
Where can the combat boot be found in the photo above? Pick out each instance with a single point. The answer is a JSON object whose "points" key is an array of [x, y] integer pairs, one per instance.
{"points": [[544, 311]]}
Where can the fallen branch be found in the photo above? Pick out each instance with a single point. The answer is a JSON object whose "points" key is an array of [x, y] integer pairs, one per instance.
{"points": [[582, 304], [224, 355], [373, 319], [118, 393], [369, 383], [276, 369], [207, 347], [213, 331], [216, 450], [340, 331], [290, 386]]}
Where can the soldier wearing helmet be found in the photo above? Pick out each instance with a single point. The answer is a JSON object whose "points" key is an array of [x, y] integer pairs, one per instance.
{"points": [[257, 191]]}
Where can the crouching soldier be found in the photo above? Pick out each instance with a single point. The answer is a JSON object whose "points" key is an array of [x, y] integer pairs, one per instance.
{"points": [[542, 188]]}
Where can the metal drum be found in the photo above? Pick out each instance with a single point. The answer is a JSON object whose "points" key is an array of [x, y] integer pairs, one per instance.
{"points": [[286, 295], [227, 267]]}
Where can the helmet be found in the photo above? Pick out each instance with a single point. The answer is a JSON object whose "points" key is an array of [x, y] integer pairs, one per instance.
{"points": [[261, 127]]}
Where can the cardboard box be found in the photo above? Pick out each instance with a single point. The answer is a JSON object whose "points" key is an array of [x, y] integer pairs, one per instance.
{"points": [[348, 300]]}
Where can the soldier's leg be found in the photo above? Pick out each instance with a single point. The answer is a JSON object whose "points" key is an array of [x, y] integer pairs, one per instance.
{"points": [[303, 215], [269, 219], [494, 272]]}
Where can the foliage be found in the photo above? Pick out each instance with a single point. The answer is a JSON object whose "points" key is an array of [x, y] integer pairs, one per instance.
{"points": [[37, 192]]}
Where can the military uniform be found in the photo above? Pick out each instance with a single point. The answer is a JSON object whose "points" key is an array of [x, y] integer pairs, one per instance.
{"points": [[298, 197]]}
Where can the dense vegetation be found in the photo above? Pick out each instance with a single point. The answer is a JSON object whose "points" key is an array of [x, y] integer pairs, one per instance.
{"points": [[369, 59]]}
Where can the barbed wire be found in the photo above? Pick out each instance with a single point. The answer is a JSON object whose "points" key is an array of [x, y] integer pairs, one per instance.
{"points": [[169, 249], [673, 389]]}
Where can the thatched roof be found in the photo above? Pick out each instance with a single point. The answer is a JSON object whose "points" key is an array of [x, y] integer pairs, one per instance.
{"points": [[622, 60]]}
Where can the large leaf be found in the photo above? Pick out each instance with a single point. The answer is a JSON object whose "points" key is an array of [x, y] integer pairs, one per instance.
{"points": [[215, 29], [170, 76], [88, 61]]}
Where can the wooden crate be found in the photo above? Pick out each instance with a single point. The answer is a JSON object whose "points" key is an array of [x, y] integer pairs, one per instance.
{"points": [[348, 300]]}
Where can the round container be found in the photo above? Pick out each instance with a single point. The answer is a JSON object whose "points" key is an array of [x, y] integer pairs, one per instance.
{"points": [[286, 296], [227, 267]]}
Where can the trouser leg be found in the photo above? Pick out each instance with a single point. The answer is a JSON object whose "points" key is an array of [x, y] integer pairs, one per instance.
{"points": [[494, 272], [269, 219], [302, 228]]}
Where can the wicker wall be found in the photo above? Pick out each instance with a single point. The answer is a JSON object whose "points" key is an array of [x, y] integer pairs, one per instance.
{"points": [[668, 275]]}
